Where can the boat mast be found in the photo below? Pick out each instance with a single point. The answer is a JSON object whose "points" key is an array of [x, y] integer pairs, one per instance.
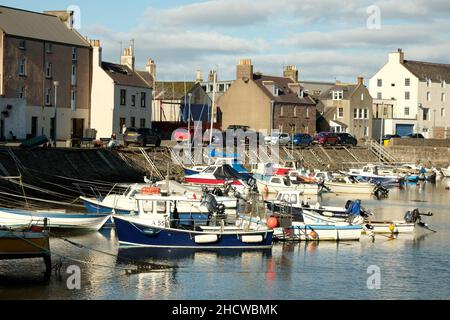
{"points": [[213, 106]]}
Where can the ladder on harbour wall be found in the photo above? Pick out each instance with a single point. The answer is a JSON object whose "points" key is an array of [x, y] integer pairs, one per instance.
{"points": [[176, 157], [351, 154], [319, 160], [326, 154], [381, 152], [152, 164]]}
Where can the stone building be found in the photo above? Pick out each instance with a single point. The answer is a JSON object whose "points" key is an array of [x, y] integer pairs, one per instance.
{"points": [[265, 102], [45, 76]]}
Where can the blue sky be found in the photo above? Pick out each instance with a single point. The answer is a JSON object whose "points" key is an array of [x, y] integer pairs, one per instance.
{"points": [[325, 39]]}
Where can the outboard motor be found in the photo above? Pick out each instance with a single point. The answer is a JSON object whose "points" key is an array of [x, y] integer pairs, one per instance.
{"points": [[252, 184], [210, 202], [380, 191], [412, 216]]}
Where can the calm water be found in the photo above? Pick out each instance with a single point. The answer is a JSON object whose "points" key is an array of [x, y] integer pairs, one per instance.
{"points": [[412, 266]]}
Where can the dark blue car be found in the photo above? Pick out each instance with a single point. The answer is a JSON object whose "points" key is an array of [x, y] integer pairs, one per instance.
{"points": [[302, 139]]}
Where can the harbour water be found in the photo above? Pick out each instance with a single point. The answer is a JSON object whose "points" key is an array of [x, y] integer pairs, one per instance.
{"points": [[411, 266]]}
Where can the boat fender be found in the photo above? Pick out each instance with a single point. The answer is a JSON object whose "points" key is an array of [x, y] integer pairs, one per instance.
{"points": [[392, 228], [266, 189], [313, 235], [252, 239]]}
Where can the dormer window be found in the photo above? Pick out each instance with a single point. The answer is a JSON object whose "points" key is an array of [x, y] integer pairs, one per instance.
{"points": [[338, 95], [443, 83], [276, 91], [428, 82]]}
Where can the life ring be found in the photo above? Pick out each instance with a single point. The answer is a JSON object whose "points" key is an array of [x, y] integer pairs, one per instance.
{"points": [[151, 190]]}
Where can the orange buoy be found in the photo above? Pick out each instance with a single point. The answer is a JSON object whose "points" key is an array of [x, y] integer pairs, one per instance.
{"points": [[313, 235], [150, 190], [272, 222]]}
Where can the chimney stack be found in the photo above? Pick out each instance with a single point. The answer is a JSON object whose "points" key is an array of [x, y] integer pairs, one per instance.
{"points": [[360, 80], [151, 68], [244, 69], [97, 52], [199, 76], [128, 58], [291, 72], [397, 57]]}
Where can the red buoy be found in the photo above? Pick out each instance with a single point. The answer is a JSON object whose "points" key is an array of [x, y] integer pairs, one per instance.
{"points": [[272, 222]]}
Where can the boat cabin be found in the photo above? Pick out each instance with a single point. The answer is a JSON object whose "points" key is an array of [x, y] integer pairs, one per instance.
{"points": [[290, 197]]}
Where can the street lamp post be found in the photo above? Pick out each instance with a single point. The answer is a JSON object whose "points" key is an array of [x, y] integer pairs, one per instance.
{"points": [[56, 84]]}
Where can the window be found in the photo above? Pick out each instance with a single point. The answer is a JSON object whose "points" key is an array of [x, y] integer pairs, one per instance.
{"points": [[22, 67], [276, 91], [443, 97], [74, 75], [392, 84], [142, 123], [143, 100], [48, 97], [295, 112], [133, 100], [221, 88], [442, 112], [428, 96], [73, 100], [407, 82], [123, 97], [366, 131], [340, 112], [338, 95], [407, 95], [22, 44], [361, 114], [443, 83], [49, 47], [406, 111], [362, 96], [379, 82], [426, 113], [428, 82], [122, 123], [74, 54], [48, 70], [307, 113], [379, 95], [22, 92], [133, 122], [281, 111], [355, 113], [366, 113]]}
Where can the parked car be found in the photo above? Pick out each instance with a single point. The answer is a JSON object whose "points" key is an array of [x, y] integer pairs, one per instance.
{"points": [[414, 136], [245, 139], [302, 139], [282, 139], [326, 138], [390, 136], [141, 136], [346, 139]]}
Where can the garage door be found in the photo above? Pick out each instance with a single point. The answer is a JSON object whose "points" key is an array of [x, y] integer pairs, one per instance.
{"points": [[404, 129]]}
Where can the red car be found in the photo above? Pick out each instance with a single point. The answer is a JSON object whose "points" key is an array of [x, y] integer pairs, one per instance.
{"points": [[326, 138]]}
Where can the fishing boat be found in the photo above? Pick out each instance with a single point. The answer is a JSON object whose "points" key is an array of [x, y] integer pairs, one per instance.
{"points": [[25, 243], [125, 203], [286, 228], [217, 176], [375, 174], [349, 184], [54, 220], [157, 226], [231, 161], [276, 184]]}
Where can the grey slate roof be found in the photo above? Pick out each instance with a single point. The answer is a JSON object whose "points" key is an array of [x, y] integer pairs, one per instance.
{"points": [[426, 70], [124, 76], [347, 89], [286, 95], [147, 77], [27, 24], [172, 90]]}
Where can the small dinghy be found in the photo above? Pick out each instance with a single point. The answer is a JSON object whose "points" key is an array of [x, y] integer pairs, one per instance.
{"points": [[55, 220]]}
